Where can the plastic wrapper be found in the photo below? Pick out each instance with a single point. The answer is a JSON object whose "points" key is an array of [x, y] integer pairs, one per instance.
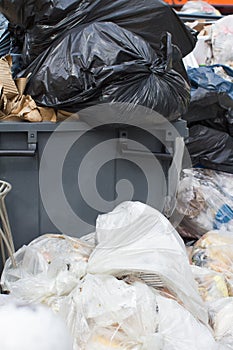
{"points": [[222, 36], [49, 265], [26, 327], [4, 36], [211, 285], [44, 20], [108, 65], [221, 317], [205, 200]]}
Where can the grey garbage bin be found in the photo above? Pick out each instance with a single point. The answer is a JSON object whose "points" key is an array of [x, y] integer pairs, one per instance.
{"points": [[127, 172]]}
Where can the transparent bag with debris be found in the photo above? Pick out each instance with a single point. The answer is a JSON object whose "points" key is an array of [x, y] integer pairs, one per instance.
{"points": [[211, 284], [214, 251], [132, 317], [49, 265], [222, 36], [205, 200]]}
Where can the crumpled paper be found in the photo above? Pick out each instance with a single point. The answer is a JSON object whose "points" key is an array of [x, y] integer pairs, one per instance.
{"points": [[14, 105]]}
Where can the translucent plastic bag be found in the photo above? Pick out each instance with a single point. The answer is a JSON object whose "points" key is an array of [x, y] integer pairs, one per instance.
{"points": [[130, 317], [180, 329], [49, 265], [215, 252], [104, 312], [205, 198], [222, 37], [211, 285], [221, 316]]}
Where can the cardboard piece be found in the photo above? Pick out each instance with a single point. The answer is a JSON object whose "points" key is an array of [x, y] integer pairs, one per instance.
{"points": [[10, 89]]}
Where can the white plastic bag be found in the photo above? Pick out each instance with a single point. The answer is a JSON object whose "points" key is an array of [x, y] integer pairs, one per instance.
{"points": [[221, 313], [135, 238], [180, 330], [49, 265], [211, 284], [130, 317], [104, 313], [222, 37]]}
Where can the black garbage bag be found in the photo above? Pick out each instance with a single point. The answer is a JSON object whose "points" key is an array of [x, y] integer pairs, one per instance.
{"points": [[223, 122], [42, 21], [211, 96], [103, 63], [4, 36], [210, 148]]}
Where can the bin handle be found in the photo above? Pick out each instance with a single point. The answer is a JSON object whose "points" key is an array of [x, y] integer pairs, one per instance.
{"points": [[30, 152], [132, 152]]}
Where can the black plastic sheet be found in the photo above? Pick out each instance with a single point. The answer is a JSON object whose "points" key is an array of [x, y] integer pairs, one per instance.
{"points": [[103, 63]]}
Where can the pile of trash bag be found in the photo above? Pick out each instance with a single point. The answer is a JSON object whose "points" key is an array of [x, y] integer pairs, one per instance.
{"points": [[129, 285], [212, 261], [70, 63], [212, 266], [210, 117], [210, 114], [42, 21], [205, 203]]}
